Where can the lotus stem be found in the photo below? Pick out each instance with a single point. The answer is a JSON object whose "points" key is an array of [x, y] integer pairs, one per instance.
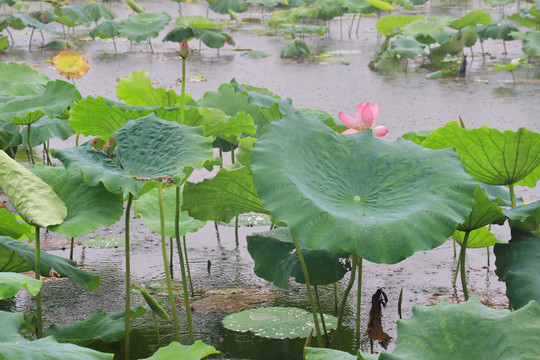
{"points": [[512, 195], [187, 266], [322, 314], [37, 272], [310, 295], [71, 248], [358, 300], [400, 302], [336, 296], [462, 260], [30, 42], [127, 315], [182, 267], [233, 159], [171, 253], [77, 139], [454, 244], [183, 95], [157, 329], [344, 299], [236, 231], [487, 248], [457, 271], [30, 150], [165, 263]]}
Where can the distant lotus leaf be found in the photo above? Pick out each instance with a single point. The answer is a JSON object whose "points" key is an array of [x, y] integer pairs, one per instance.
{"points": [[500, 31], [14, 346], [104, 243], [198, 22], [147, 207], [176, 350], [179, 34], [255, 54], [141, 27], [71, 64], [99, 326], [432, 25], [221, 198], [295, 49], [223, 6], [276, 322], [381, 5], [518, 266], [31, 197], [511, 66], [88, 207], [474, 17], [213, 38], [14, 228], [52, 101], [438, 332], [150, 147], [327, 354], [484, 212], [293, 29], [20, 21], [18, 256], [478, 238], [357, 193], [491, 156], [17, 80], [96, 11], [276, 260], [388, 24], [497, 3], [106, 29], [216, 122], [72, 15], [95, 166], [11, 283], [58, 45], [266, 3], [407, 48], [280, 17], [531, 44], [45, 129]]}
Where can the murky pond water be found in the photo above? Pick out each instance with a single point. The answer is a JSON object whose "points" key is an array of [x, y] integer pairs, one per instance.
{"points": [[407, 101]]}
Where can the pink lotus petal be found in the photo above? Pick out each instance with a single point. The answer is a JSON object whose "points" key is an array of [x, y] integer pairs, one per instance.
{"points": [[380, 131], [347, 120], [349, 131], [359, 109], [369, 115]]}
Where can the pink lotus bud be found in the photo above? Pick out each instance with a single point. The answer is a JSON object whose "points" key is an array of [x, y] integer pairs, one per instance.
{"points": [[184, 49]]}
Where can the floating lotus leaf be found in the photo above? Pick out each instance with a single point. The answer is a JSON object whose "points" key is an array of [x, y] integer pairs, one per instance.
{"points": [[14, 228], [14, 346], [276, 260], [176, 350], [467, 330], [52, 101], [147, 207], [45, 129], [71, 64], [221, 198], [103, 243], [17, 80], [32, 198], [99, 326], [491, 156], [276, 322], [141, 27], [88, 207], [17, 256], [517, 265], [11, 283], [256, 54], [359, 194]]}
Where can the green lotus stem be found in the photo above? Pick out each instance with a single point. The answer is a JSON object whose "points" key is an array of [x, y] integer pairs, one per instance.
{"points": [[187, 266], [157, 329], [344, 299], [165, 263], [310, 295], [358, 300], [400, 302], [487, 248], [37, 272], [512, 195], [336, 296], [77, 139], [221, 156], [236, 230], [30, 150], [454, 243], [323, 323], [127, 315], [233, 159], [183, 95], [71, 248], [462, 260], [171, 253], [182, 267], [457, 271]]}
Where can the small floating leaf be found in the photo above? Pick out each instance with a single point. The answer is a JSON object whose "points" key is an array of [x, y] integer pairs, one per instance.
{"points": [[176, 350], [102, 243]]}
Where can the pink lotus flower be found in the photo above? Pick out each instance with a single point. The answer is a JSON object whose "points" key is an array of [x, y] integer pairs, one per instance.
{"points": [[364, 118]]}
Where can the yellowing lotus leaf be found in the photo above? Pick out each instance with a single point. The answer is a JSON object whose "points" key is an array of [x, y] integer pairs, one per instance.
{"points": [[71, 64]]}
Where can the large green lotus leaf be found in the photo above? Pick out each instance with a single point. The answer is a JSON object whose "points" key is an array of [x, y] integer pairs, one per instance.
{"points": [[88, 207], [17, 80], [176, 350], [141, 27], [216, 122], [137, 89], [95, 117], [484, 212], [105, 30], [179, 34], [95, 167], [430, 26], [147, 207], [32, 198], [99, 326], [5, 138], [388, 24], [407, 48], [52, 101], [151, 147], [14, 346], [223, 6], [491, 156], [527, 215], [21, 21], [517, 265], [198, 22], [14, 228], [531, 44], [359, 194], [474, 17], [263, 97], [20, 252], [478, 238], [213, 38], [221, 198], [45, 129], [295, 49], [276, 260], [72, 15], [276, 322], [11, 283], [97, 11], [468, 330]]}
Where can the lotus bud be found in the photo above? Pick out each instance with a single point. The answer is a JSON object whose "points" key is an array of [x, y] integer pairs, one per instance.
{"points": [[184, 49]]}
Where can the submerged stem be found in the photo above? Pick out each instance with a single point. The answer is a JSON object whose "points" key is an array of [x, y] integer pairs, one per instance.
{"points": [[462, 260], [37, 272], [128, 280], [310, 295], [165, 263]]}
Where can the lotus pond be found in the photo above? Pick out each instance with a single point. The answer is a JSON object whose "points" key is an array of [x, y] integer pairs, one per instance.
{"points": [[227, 156]]}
